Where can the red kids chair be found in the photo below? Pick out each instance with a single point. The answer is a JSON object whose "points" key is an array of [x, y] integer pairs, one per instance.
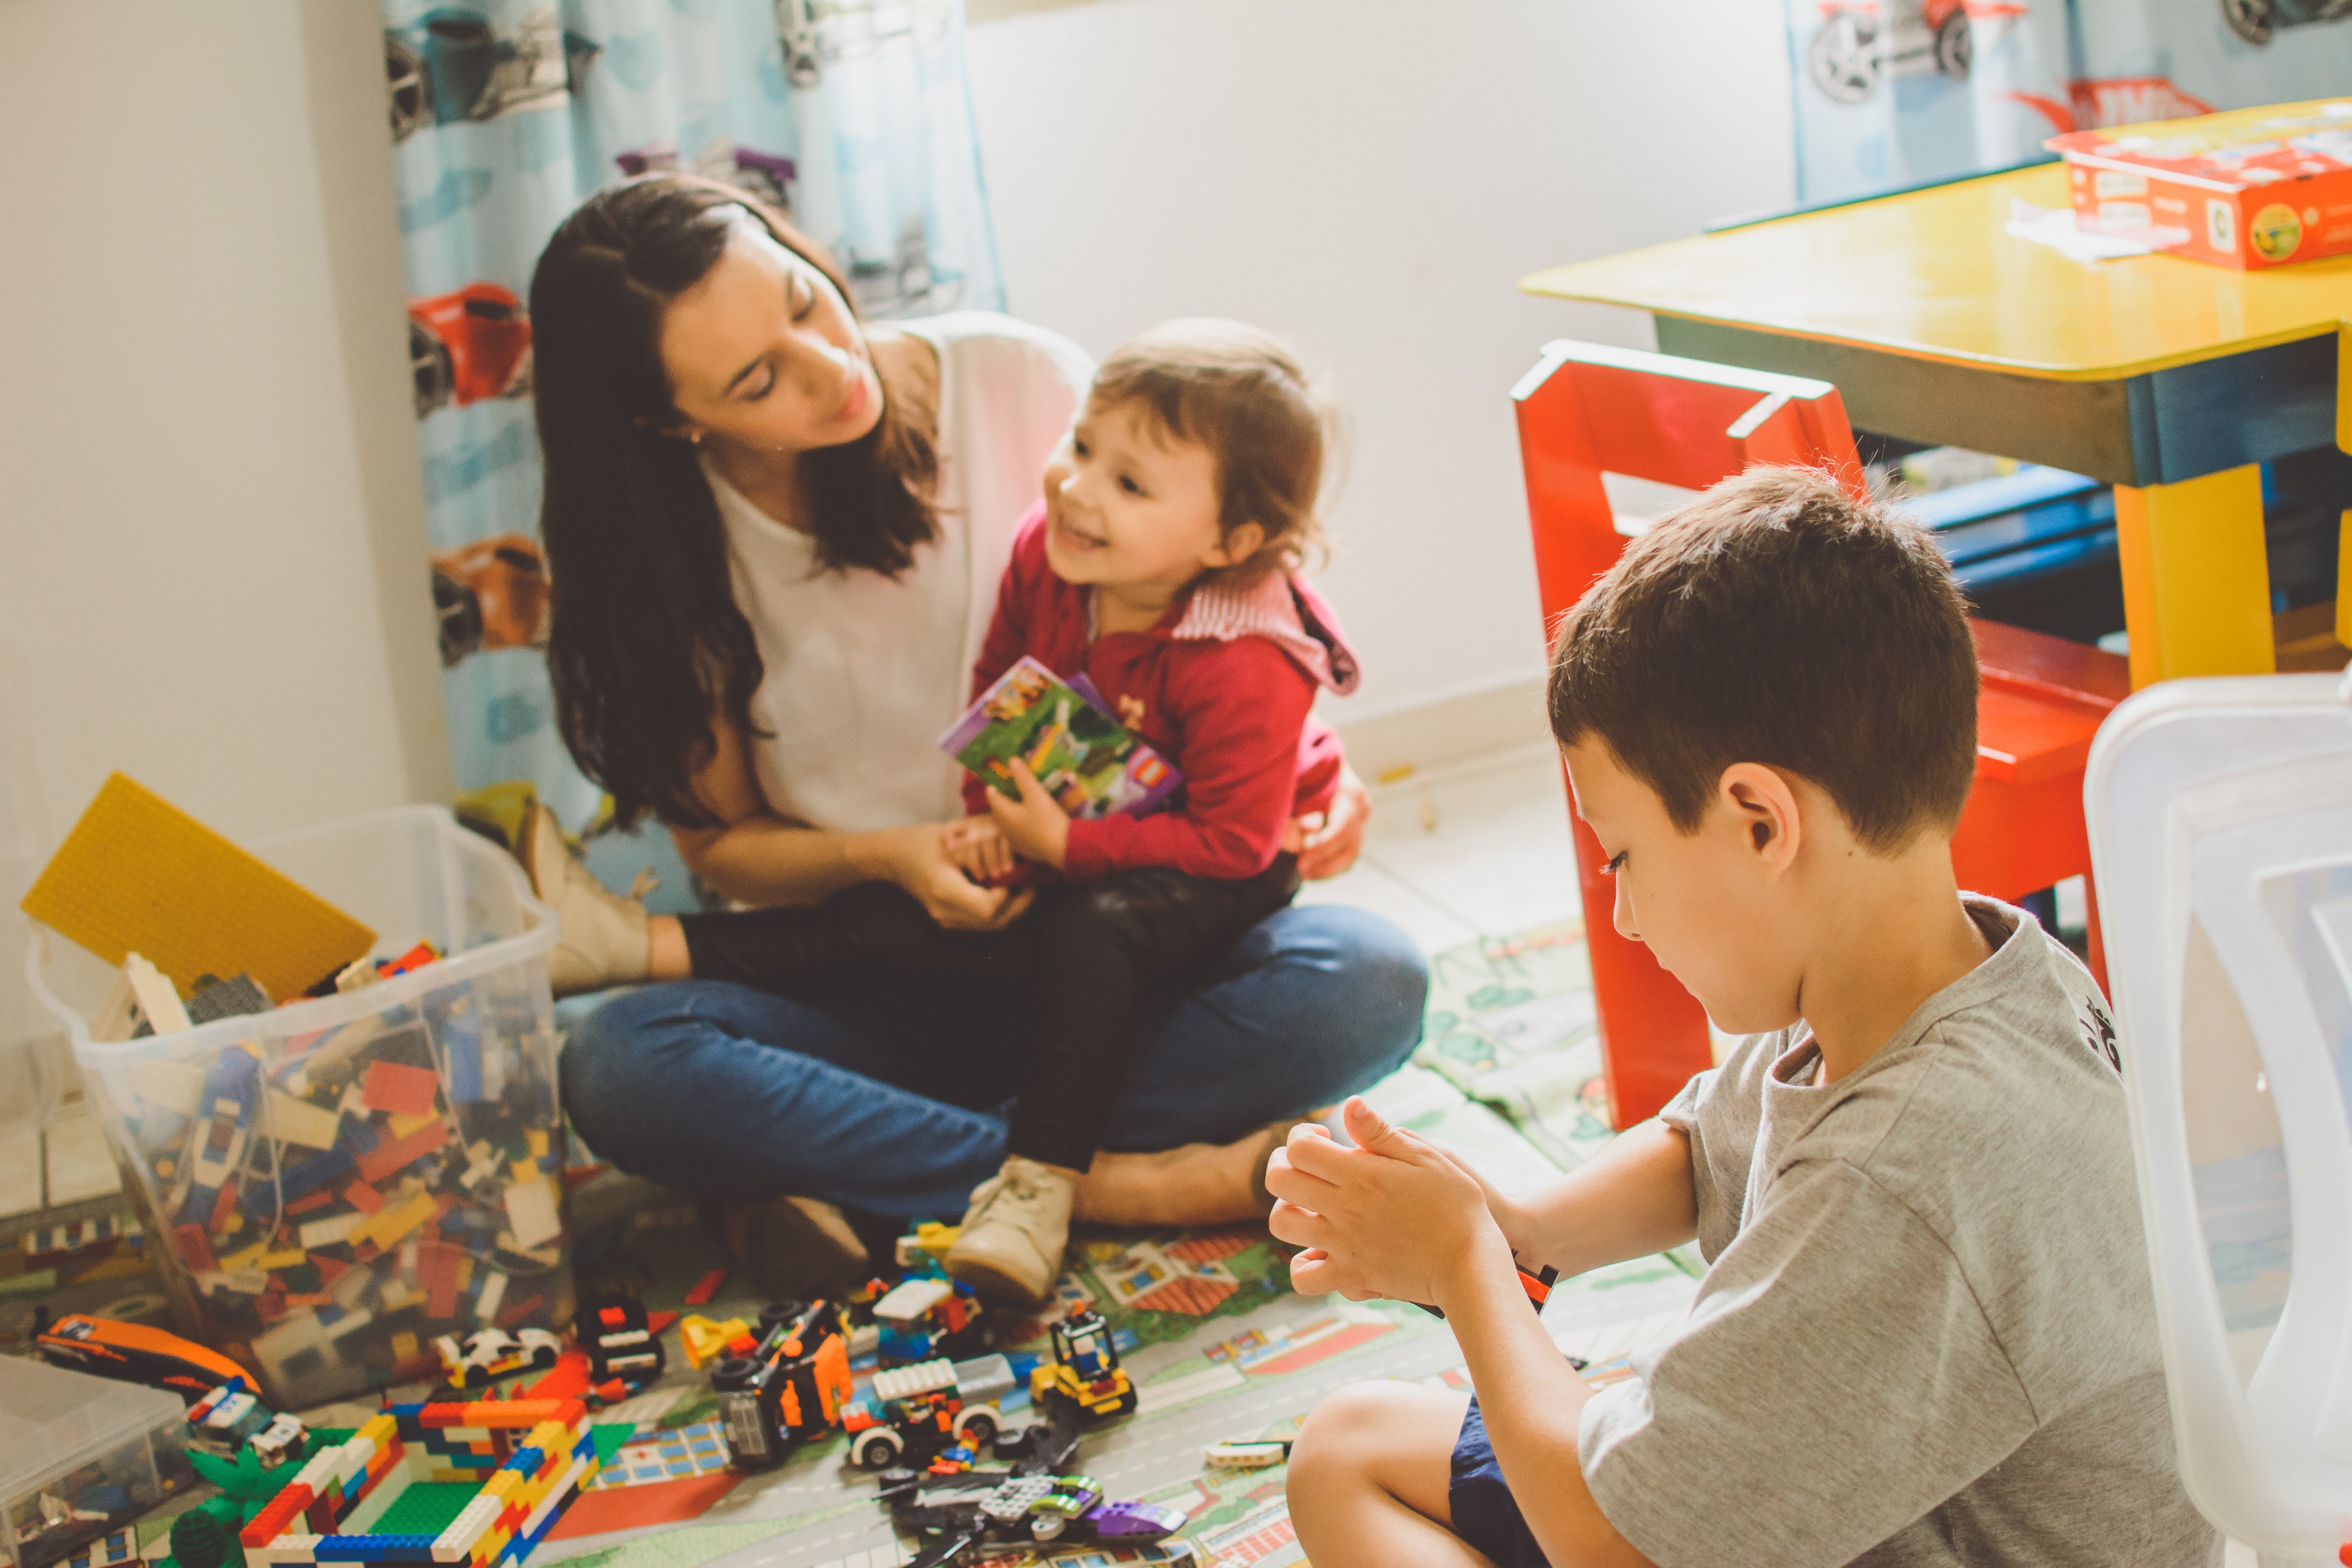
{"points": [[1586, 408]]}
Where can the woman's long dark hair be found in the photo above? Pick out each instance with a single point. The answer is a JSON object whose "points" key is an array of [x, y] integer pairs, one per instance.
{"points": [[646, 644]]}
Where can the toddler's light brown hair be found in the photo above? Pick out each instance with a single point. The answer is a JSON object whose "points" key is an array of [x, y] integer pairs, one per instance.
{"points": [[1240, 393]]}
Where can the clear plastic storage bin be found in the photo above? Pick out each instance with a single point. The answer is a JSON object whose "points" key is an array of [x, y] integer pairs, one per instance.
{"points": [[329, 1186], [81, 1455]]}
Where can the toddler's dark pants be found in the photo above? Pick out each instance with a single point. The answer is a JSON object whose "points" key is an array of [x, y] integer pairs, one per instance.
{"points": [[1080, 967]]}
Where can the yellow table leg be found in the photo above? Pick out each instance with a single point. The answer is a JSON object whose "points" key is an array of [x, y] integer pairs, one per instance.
{"points": [[2196, 588]]}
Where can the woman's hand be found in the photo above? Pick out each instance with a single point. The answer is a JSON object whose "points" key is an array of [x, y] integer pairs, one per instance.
{"points": [[1326, 843], [978, 846], [917, 859], [1035, 825]]}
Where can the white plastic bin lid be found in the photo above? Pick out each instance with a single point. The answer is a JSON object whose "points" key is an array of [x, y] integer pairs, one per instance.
{"points": [[2220, 824], [54, 1421]]}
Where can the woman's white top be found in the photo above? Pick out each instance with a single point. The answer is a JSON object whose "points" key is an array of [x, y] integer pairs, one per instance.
{"points": [[863, 673]]}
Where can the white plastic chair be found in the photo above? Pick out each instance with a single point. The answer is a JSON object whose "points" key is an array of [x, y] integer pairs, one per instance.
{"points": [[2221, 823]]}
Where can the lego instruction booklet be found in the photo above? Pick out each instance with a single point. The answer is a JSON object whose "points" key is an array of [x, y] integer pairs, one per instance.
{"points": [[1088, 762]]}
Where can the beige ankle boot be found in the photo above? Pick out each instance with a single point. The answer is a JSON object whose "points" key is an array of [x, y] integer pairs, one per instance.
{"points": [[1014, 1231], [603, 939], [1195, 1183]]}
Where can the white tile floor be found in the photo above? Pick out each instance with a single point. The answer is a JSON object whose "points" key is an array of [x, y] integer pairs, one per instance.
{"points": [[1477, 849]]}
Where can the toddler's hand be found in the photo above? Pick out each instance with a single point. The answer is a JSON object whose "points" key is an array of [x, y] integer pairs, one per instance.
{"points": [[977, 845], [1394, 1216], [1035, 826]]}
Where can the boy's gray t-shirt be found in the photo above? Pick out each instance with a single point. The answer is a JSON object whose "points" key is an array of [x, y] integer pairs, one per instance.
{"points": [[1927, 1334]]}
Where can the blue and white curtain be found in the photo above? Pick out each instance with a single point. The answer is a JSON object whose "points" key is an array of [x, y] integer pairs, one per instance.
{"points": [[1897, 92], [850, 114]]}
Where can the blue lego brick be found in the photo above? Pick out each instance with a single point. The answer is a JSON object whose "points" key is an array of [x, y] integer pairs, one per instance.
{"points": [[374, 1549], [461, 1035], [108, 1498], [263, 1197], [527, 1459]]}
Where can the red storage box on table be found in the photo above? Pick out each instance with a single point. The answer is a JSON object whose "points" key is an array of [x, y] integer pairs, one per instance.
{"points": [[2249, 188]]}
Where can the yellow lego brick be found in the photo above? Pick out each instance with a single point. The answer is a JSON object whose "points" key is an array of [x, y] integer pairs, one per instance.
{"points": [[388, 1225], [138, 873], [381, 1429], [501, 1485], [293, 1256], [536, 1138], [402, 1126], [249, 1257], [403, 1346], [523, 1169]]}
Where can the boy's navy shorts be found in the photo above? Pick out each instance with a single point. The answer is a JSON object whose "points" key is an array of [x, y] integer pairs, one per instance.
{"points": [[1484, 1514]]}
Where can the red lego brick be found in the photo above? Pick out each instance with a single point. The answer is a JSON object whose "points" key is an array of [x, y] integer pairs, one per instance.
{"points": [[705, 1288], [363, 1197], [400, 1089], [387, 1158]]}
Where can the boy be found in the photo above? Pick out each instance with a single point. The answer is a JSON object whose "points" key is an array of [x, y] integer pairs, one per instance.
{"points": [[1927, 1333]]}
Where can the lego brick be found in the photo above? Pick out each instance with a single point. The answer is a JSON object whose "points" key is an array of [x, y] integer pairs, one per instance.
{"points": [[137, 872], [276, 1513], [290, 1550], [531, 1212], [293, 1121], [318, 1233], [494, 1292], [705, 1288], [400, 1089], [364, 1197], [455, 1543], [388, 1225], [385, 1159]]}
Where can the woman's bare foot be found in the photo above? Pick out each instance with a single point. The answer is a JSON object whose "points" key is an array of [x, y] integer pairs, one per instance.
{"points": [[1194, 1183]]}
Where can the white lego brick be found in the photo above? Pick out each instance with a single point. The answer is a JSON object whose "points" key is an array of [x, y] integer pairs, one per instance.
{"points": [[493, 1296], [564, 1482], [318, 1233], [317, 1472], [456, 1542], [293, 1121], [286, 1549], [356, 1454], [531, 1212]]}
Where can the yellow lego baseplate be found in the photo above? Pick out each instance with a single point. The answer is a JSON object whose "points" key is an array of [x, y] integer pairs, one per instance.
{"points": [[139, 874]]}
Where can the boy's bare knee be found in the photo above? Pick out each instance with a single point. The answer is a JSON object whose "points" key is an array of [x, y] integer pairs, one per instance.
{"points": [[1342, 1432]]}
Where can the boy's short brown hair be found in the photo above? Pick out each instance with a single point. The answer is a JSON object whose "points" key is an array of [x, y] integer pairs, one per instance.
{"points": [[1778, 620], [1240, 393]]}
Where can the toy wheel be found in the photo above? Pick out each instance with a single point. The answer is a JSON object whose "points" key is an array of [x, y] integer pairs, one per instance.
{"points": [[429, 365], [877, 1449], [735, 1372], [778, 1312], [1047, 1526], [404, 79], [1843, 58], [979, 1430], [2253, 20], [1955, 46]]}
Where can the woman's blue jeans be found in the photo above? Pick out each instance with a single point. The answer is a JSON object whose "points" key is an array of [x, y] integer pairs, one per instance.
{"points": [[720, 1090]]}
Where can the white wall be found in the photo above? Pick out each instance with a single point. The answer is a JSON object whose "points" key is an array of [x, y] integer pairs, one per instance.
{"points": [[1369, 178], [212, 538]]}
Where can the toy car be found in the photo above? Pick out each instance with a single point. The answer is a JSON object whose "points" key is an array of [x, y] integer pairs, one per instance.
{"points": [[467, 345], [490, 595], [1066, 1509], [795, 1385], [1860, 41], [619, 1342], [136, 1354], [488, 1355], [1084, 1375], [916, 1411], [2256, 20], [278, 1440], [925, 1318]]}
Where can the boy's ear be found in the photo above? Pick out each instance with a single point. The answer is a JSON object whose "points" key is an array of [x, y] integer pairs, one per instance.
{"points": [[1766, 808], [1238, 546]]}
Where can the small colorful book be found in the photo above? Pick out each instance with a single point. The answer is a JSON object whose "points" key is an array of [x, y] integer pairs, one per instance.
{"points": [[1088, 760]]}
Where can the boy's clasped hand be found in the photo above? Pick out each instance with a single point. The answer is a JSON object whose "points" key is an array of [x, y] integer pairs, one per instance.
{"points": [[1395, 1216]]}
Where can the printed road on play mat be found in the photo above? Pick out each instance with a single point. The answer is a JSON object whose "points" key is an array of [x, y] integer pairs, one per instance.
{"points": [[1221, 1347]]}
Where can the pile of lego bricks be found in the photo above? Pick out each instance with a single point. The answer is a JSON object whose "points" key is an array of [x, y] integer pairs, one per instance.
{"points": [[340, 1203], [531, 1457]]}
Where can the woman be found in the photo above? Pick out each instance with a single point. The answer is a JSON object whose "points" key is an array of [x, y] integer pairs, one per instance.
{"points": [[776, 538]]}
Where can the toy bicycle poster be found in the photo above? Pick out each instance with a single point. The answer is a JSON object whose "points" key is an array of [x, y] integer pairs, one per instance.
{"points": [[851, 115], [1891, 93]]}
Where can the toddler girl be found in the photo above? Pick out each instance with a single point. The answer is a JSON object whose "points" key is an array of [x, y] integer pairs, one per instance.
{"points": [[1161, 566]]}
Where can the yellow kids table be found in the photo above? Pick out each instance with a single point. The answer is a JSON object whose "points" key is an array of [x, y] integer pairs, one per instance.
{"points": [[2171, 379]]}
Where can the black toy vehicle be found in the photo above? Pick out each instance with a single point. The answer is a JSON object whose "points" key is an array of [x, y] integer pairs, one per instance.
{"points": [[619, 1342], [793, 1385]]}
